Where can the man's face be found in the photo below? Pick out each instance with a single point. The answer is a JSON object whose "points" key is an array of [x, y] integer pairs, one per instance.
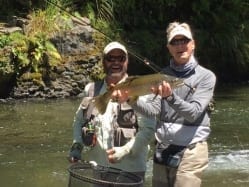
{"points": [[115, 64], [181, 48]]}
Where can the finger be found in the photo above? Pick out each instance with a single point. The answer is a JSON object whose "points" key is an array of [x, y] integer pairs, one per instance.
{"points": [[73, 160], [112, 85], [152, 89], [125, 96], [111, 159], [114, 96], [114, 93], [155, 90], [159, 90], [122, 96], [165, 82], [110, 151], [119, 93], [166, 89]]}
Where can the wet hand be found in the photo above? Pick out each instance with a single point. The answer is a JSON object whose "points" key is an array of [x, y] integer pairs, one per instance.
{"points": [[74, 156], [75, 153], [73, 160], [164, 89], [120, 96], [116, 154], [110, 155]]}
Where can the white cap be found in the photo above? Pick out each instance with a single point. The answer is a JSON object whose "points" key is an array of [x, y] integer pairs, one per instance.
{"points": [[114, 45], [179, 30]]}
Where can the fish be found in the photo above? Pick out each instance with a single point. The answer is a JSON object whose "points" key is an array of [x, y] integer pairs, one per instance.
{"points": [[138, 85]]}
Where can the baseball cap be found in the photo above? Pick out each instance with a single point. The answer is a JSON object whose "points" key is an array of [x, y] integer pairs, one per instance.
{"points": [[114, 45], [179, 30]]}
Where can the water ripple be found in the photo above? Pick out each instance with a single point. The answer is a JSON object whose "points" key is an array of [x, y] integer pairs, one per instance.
{"points": [[233, 160]]}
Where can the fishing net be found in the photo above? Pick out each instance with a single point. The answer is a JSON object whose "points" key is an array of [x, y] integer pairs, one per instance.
{"points": [[89, 175]]}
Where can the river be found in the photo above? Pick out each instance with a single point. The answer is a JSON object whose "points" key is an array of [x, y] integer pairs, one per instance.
{"points": [[36, 135]]}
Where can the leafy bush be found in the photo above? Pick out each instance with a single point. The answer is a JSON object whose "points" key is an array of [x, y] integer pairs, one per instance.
{"points": [[22, 53], [4, 40]]}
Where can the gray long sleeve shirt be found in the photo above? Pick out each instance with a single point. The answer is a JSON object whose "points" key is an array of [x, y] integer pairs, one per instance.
{"points": [[183, 120]]}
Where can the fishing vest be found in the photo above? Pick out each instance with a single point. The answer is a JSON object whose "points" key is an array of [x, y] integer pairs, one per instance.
{"points": [[126, 125]]}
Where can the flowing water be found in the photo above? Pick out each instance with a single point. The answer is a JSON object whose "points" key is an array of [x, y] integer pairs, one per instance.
{"points": [[36, 135]]}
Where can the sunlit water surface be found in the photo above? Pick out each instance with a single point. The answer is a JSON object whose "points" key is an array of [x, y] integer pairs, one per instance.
{"points": [[36, 135]]}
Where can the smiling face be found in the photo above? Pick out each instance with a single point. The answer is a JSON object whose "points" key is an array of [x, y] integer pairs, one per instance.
{"points": [[115, 65], [181, 49]]}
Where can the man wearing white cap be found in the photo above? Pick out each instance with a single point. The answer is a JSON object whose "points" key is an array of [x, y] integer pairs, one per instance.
{"points": [[183, 114], [118, 139]]}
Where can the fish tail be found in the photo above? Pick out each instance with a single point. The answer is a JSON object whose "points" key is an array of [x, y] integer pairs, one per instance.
{"points": [[101, 102]]}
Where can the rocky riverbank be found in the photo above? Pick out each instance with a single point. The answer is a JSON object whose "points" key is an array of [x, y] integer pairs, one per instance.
{"points": [[81, 55]]}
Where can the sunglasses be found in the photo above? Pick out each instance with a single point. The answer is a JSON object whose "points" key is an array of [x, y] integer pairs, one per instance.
{"points": [[181, 41], [110, 58]]}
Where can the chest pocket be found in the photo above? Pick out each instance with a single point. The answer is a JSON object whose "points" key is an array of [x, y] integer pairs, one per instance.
{"points": [[126, 126], [126, 118], [88, 128]]}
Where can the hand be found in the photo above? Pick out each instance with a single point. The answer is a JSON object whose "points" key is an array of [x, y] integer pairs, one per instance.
{"points": [[120, 96], [117, 153], [74, 156], [110, 153], [75, 153], [164, 89]]}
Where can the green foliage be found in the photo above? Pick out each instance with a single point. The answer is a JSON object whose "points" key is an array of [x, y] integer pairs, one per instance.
{"points": [[29, 53], [43, 23], [33, 53], [97, 72], [6, 66], [220, 29], [99, 9], [224, 36], [105, 9], [19, 43], [54, 57], [4, 40]]}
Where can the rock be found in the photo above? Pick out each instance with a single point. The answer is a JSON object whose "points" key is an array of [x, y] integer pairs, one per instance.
{"points": [[8, 30], [69, 78]]}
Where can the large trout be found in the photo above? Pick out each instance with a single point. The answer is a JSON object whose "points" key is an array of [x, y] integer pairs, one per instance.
{"points": [[136, 86]]}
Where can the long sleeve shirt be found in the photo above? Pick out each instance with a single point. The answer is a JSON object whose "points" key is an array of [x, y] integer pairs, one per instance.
{"points": [[135, 160], [183, 120]]}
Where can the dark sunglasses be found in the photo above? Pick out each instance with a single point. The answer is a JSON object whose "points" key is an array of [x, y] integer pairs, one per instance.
{"points": [[181, 41], [111, 58]]}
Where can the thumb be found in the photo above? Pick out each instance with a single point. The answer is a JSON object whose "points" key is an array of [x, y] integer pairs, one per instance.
{"points": [[111, 159], [110, 151]]}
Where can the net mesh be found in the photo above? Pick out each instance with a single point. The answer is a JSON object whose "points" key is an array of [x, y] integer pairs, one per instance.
{"points": [[88, 175]]}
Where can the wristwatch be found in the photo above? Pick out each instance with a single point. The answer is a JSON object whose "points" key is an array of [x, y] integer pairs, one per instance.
{"points": [[170, 97]]}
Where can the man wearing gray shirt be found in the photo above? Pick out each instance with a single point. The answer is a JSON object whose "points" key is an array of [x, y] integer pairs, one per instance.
{"points": [[183, 118]]}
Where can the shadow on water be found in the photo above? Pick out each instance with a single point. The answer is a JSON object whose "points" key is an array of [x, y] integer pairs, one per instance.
{"points": [[35, 138]]}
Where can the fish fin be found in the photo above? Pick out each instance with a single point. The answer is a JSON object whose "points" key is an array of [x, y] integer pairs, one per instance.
{"points": [[130, 78]]}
